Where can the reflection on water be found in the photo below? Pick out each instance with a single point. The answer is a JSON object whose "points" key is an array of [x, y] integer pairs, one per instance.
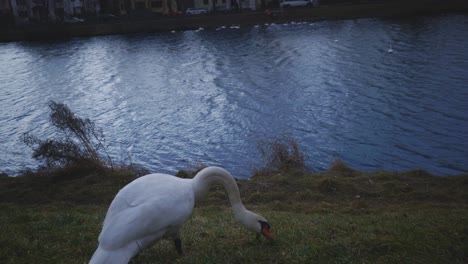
{"points": [[171, 100]]}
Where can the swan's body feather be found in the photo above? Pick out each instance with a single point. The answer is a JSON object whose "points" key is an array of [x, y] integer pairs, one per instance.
{"points": [[154, 207], [150, 208]]}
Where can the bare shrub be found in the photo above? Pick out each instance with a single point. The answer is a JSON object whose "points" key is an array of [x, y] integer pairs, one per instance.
{"points": [[77, 141], [328, 185], [281, 154], [340, 168], [191, 171]]}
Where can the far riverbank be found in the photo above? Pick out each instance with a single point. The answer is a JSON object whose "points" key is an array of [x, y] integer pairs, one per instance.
{"points": [[161, 24]]}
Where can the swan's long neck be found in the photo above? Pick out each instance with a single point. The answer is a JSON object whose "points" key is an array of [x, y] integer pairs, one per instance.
{"points": [[215, 175]]}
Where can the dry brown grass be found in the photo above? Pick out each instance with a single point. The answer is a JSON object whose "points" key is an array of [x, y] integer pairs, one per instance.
{"points": [[329, 217]]}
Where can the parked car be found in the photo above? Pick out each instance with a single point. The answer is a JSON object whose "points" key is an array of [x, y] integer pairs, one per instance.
{"points": [[196, 11], [72, 20], [223, 9], [107, 17], [288, 3]]}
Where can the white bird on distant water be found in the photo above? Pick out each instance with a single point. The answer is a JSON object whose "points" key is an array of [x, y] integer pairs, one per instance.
{"points": [[390, 50], [155, 206]]}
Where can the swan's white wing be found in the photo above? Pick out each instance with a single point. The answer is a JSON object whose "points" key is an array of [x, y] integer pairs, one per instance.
{"points": [[147, 206]]}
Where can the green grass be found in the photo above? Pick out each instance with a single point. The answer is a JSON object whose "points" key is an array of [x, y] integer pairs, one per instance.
{"points": [[340, 216]]}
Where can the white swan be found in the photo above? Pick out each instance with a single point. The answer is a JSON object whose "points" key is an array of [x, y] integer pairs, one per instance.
{"points": [[155, 206]]}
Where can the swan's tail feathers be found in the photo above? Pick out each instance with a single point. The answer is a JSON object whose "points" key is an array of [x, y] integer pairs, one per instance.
{"points": [[103, 256]]}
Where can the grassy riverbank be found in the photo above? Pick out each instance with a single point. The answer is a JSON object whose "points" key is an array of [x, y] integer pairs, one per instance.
{"points": [[339, 216], [360, 9]]}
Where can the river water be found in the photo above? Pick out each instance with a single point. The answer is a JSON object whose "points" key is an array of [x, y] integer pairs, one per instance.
{"points": [[380, 94]]}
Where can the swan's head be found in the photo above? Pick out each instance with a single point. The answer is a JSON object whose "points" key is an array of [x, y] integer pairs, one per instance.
{"points": [[256, 223]]}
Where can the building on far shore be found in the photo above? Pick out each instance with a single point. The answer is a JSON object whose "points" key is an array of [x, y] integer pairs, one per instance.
{"points": [[174, 7], [26, 11], [6, 14], [5, 7]]}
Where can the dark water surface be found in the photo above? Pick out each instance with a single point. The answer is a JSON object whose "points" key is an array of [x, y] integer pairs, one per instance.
{"points": [[171, 100]]}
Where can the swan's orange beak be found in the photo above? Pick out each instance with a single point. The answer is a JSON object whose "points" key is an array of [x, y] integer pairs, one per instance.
{"points": [[267, 232]]}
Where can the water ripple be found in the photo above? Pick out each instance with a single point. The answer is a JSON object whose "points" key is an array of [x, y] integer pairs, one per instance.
{"points": [[168, 101]]}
